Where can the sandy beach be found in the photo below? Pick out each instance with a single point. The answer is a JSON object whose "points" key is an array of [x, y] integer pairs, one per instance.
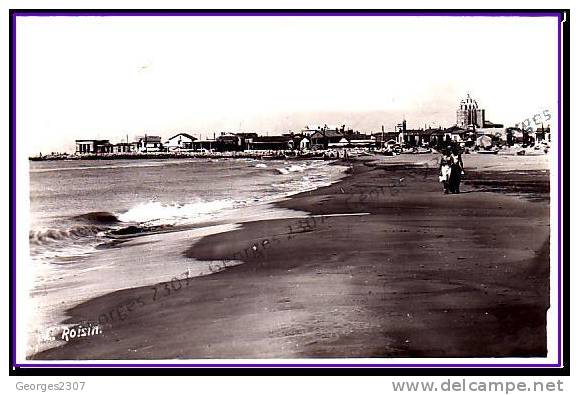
{"points": [[386, 266]]}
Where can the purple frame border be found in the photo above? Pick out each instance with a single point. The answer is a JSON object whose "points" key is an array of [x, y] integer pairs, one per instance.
{"points": [[285, 13]]}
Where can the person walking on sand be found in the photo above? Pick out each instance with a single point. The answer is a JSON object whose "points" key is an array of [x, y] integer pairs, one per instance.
{"points": [[445, 169], [456, 170]]}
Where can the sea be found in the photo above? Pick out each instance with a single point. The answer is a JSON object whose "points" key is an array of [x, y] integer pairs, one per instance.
{"points": [[99, 226]]}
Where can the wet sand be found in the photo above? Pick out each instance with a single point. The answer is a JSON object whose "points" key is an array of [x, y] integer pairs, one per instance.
{"points": [[423, 274]]}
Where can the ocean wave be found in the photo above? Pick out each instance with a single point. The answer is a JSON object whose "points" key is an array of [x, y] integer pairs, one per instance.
{"points": [[157, 212], [292, 169], [124, 243], [52, 236], [112, 166], [93, 228], [99, 217]]}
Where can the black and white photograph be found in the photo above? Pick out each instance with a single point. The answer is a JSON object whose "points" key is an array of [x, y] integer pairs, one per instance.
{"points": [[372, 189]]}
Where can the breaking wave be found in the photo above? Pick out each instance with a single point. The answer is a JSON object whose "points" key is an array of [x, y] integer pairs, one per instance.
{"points": [[292, 169], [53, 236], [156, 212], [82, 233], [99, 217]]}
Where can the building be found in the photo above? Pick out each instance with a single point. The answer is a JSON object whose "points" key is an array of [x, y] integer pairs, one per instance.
{"points": [[428, 137], [228, 142], [415, 137], [385, 138], [149, 143], [308, 131], [322, 139], [270, 143], [457, 134], [87, 147], [246, 139], [439, 137], [412, 137], [543, 134], [469, 115], [123, 148], [180, 141], [206, 144], [294, 141], [361, 140], [343, 142]]}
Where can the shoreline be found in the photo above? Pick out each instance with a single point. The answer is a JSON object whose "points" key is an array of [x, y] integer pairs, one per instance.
{"points": [[421, 275], [261, 155], [265, 155]]}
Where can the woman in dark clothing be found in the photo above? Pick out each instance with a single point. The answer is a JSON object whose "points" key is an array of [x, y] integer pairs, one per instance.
{"points": [[456, 171]]}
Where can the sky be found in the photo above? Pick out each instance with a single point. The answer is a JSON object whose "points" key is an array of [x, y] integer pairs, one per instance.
{"points": [[113, 77]]}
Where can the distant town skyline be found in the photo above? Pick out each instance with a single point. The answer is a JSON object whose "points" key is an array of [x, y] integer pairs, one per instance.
{"points": [[111, 77]]}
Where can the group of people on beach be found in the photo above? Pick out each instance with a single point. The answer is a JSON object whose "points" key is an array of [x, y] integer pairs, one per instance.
{"points": [[451, 170]]}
